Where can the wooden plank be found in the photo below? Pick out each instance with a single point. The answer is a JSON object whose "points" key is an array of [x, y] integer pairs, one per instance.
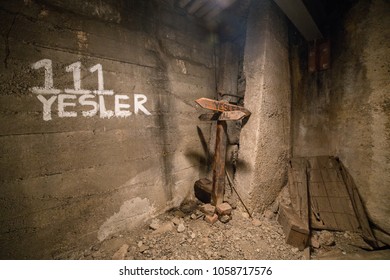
{"points": [[232, 116], [219, 164], [220, 106], [358, 206], [381, 236], [360, 255], [298, 187], [296, 231], [329, 199]]}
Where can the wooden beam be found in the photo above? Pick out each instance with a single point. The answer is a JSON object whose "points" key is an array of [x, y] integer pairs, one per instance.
{"points": [[297, 233], [219, 164], [358, 206], [221, 106]]}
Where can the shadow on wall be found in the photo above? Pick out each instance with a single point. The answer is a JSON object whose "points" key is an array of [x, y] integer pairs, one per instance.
{"points": [[205, 159]]}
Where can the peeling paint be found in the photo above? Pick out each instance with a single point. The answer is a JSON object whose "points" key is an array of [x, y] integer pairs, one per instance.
{"points": [[131, 214]]}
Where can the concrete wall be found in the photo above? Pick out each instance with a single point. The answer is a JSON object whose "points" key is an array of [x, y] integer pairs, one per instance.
{"points": [[345, 110], [67, 179], [265, 139]]}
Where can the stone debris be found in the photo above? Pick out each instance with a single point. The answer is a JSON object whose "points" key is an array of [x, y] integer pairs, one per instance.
{"points": [[224, 218], [269, 215], [245, 215], [207, 209], [195, 239], [177, 221], [224, 209], [121, 253], [314, 242], [326, 238], [143, 248], [181, 228], [155, 224], [211, 219], [166, 227], [256, 222]]}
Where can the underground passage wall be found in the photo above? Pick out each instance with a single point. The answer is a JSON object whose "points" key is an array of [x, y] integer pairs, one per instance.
{"points": [[98, 128], [265, 139], [344, 111]]}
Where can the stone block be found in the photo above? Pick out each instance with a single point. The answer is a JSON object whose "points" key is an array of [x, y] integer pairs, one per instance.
{"points": [[208, 209], [297, 233], [211, 219], [224, 209]]}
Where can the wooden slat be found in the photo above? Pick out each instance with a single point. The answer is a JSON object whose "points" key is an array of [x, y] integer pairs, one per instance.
{"points": [[219, 164], [296, 231], [358, 207], [330, 202], [298, 187], [232, 116], [220, 106]]}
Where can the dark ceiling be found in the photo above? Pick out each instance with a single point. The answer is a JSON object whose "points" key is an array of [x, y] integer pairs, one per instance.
{"points": [[312, 18]]}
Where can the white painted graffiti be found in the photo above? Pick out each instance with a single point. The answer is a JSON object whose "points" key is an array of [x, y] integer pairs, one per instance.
{"points": [[95, 99]]}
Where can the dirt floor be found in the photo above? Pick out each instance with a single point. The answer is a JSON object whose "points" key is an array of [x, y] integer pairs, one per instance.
{"points": [[182, 234]]}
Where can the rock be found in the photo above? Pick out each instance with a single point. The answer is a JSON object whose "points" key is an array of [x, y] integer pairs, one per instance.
{"points": [[97, 255], [314, 242], [294, 250], [274, 207], [181, 227], [208, 209], [211, 219], [179, 214], [256, 222], [168, 226], [87, 253], [245, 215], [143, 248], [95, 247], [193, 235], [326, 238], [155, 224], [269, 215], [193, 216], [177, 221], [121, 253], [224, 218], [140, 243], [224, 209]]}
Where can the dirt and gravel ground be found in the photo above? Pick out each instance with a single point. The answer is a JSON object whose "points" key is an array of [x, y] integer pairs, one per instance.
{"points": [[182, 234]]}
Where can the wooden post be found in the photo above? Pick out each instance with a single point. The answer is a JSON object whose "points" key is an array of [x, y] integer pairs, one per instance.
{"points": [[225, 112], [219, 164]]}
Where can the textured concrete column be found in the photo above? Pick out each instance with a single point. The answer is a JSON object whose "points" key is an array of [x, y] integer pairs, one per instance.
{"points": [[265, 139]]}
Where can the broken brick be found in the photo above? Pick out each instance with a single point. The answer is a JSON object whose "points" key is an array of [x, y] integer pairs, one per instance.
{"points": [[211, 219], [224, 209]]}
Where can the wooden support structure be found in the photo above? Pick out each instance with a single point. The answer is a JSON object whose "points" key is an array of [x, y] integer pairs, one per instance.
{"points": [[225, 112], [219, 164]]}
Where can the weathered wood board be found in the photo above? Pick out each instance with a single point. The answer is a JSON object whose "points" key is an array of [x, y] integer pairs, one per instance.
{"points": [[297, 232], [330, 204], [298, 189], [358, 207]]}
